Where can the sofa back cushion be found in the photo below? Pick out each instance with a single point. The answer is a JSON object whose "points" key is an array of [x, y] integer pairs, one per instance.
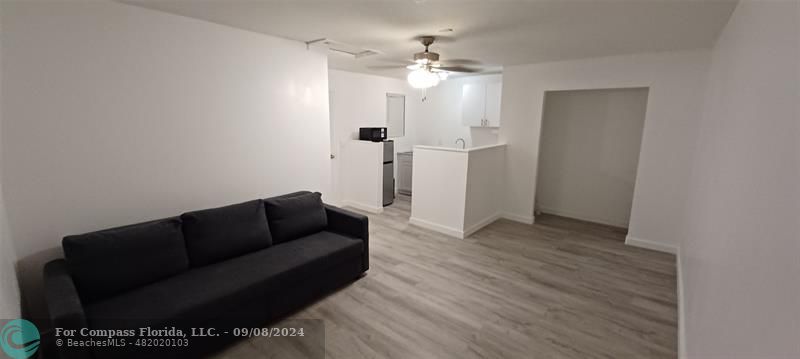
{"points": [[288, 195], [112, 261], [295, 215], [213, 235]]}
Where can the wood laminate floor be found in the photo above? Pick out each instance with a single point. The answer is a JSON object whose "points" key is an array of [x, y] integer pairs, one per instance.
{"points": [[560, 288]]}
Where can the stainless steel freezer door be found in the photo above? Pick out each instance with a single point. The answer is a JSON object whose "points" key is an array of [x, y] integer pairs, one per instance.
{"points": [[388, 151], [388, 183]]}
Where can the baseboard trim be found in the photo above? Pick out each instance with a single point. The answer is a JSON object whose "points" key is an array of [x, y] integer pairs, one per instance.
{"points": [[483, 223], [681, 308], [656, 246], [363, 207], [517, 218], [436, 227], [582, 217]]}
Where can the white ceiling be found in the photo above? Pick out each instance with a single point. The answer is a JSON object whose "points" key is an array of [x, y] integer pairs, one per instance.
{"points": [[494, 32]]}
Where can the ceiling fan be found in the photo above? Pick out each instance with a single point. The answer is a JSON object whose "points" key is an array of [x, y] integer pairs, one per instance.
{"points": [[427, 71]]}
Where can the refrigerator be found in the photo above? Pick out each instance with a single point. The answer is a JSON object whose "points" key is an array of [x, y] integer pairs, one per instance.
{"points": [[388, 172]]}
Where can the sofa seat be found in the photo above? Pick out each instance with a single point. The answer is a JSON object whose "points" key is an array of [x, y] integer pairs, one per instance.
{"points": [[205, 293]]}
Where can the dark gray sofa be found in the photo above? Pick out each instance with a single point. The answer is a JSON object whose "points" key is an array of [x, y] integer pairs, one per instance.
{"points": [[243, 265]]}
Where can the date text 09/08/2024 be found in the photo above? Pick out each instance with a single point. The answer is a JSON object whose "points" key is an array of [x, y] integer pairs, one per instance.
{"points": [[172, 332]]}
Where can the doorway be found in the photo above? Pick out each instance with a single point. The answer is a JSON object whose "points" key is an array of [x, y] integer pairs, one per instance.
{"points": [[589, 154]]}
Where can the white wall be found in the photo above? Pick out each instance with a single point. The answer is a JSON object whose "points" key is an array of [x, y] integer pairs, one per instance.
{"points": [[589, 153], [114, 114], [359, 100], [440, 115], [675, 82], [9, 290], [741, 251]]}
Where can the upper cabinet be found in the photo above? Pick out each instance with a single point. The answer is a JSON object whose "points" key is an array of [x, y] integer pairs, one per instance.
{"points": [[493, 98], [473, 105], [480, 104]]}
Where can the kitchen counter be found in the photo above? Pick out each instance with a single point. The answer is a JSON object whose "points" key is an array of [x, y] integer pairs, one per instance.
{"points": [[457, 191], [455, 149]]}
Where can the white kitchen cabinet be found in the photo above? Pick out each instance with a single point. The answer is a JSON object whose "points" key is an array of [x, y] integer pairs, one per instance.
{"points": [[480, 104], [494, 94], [473, 105]]}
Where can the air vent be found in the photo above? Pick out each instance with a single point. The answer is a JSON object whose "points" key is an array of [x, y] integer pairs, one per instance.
{"points": [[342, 48]]}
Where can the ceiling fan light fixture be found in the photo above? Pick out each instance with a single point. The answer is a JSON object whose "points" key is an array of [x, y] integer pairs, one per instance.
{"points": [[422, 79], [442, 75]]}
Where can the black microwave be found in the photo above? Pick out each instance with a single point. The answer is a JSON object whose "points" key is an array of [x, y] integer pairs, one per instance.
{"points": [[374, 134]]}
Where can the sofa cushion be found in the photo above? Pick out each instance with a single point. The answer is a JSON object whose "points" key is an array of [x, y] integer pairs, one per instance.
{"points": [[289, 195], [213, 291], [216, 234], [112, 261], [292, 217]]}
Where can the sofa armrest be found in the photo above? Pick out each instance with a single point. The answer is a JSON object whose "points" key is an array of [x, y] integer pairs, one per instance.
{"points": [[63, 304], [351, 224]]}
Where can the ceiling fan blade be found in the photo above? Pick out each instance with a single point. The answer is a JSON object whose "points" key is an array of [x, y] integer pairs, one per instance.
{"points": [[436, 38], [460, 62], [385, 67], [414, 67], [458, 69]]}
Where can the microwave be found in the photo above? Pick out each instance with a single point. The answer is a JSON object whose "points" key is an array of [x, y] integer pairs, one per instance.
{"points": [[374, 134]]}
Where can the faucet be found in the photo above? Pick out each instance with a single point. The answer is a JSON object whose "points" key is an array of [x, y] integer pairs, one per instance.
{"points": [[463, 143]]}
